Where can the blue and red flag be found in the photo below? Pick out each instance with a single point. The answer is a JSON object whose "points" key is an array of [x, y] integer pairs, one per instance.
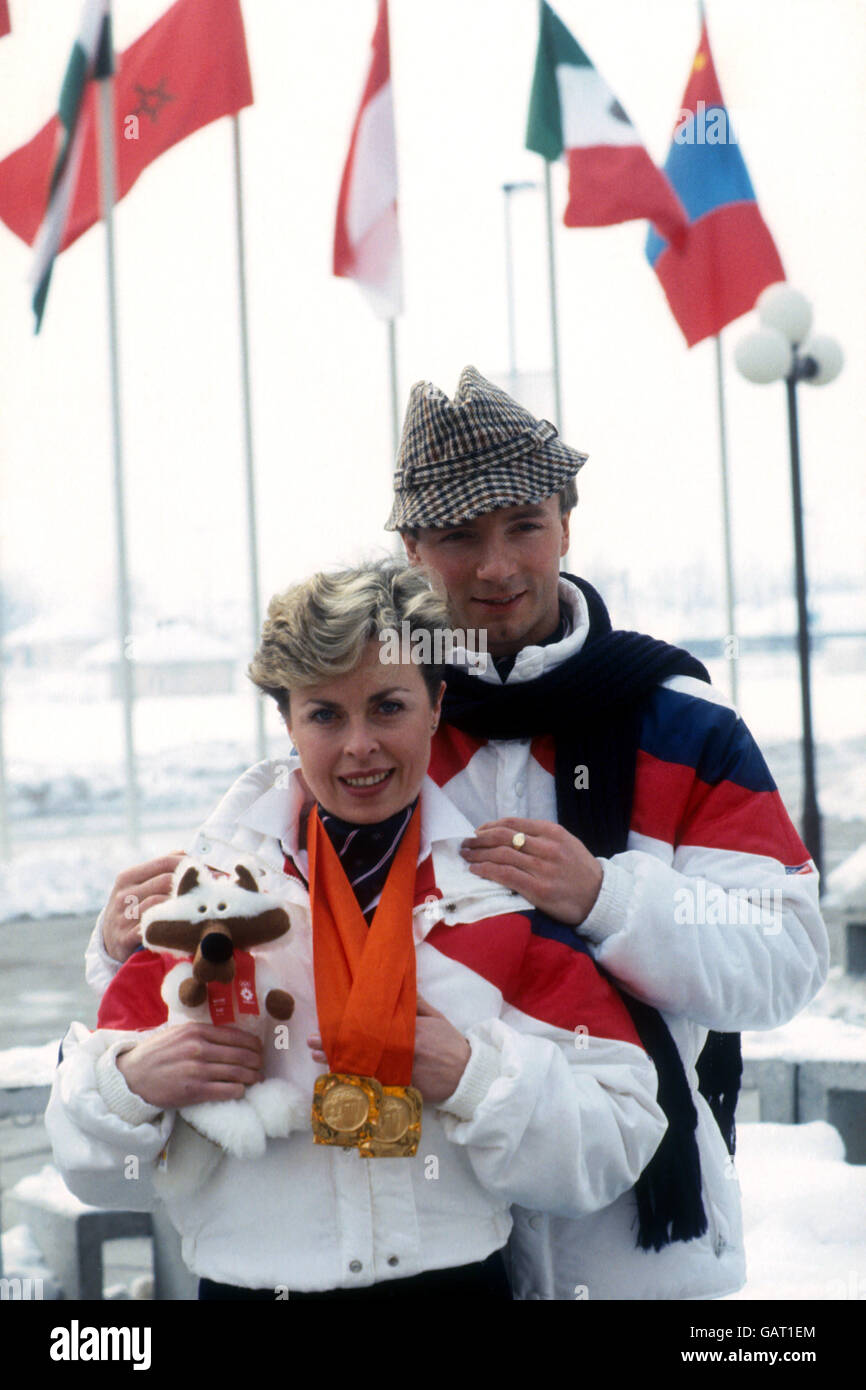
{"points": [[728, 255]]}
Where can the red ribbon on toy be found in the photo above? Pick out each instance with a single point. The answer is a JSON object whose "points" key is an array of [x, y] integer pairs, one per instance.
{"points": [[220, 997]]}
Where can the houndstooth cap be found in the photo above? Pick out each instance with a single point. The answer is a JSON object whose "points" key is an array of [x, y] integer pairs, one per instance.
{"points": [[474, 454]]}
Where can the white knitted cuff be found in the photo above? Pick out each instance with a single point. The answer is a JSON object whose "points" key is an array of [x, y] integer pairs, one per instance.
{"points": [[610, 909], [482, 1069], [112, 1087]]}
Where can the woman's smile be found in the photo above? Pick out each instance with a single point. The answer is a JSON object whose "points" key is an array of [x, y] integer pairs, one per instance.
{"points": [[364, 737], [366, 783]]}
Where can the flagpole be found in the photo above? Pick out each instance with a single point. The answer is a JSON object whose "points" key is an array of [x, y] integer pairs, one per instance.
{"points": [[509, 292], [554, 321], [395, 415], [392, 377], [554, 324], [106, 107], [730, 597], [246, 394]]}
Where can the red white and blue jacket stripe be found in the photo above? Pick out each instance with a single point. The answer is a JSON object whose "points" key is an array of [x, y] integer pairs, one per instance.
{"points": [[712, 910], [710, 915]]}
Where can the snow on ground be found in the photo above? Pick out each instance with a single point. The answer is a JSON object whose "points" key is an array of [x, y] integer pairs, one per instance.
{"points": [[69, 878], [842, 997], [804, 1213], [809, 1038], [66, 789], [804, 1207], [48, 1188], [29, 1066], [50, 724], [22, 1259], [66, 780], [849, 879]]}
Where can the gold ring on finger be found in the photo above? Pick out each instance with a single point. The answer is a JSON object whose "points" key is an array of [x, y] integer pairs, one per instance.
{"points": [[518, 839]]}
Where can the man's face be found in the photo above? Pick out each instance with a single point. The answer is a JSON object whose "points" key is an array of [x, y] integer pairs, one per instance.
{"points": [[499, 571]]}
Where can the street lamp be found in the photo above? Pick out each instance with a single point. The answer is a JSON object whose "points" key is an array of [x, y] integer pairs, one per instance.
{"points": [[782, 349]]}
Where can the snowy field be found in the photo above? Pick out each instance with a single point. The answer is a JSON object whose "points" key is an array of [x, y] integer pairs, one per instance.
{"points": [[804, 1213], [65, 768], [804, 1207]]}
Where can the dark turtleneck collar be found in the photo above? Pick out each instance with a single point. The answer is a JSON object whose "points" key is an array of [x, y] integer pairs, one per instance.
{"points": [[367, 851]]}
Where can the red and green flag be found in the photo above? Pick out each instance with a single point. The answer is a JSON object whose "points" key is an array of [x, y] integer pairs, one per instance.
{"points": [[188, 69], [574, 114]]}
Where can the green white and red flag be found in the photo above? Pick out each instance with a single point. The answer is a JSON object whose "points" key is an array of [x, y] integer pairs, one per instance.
{"points": [[188, 69], [366, 235], [574, 114], [90, 57]]}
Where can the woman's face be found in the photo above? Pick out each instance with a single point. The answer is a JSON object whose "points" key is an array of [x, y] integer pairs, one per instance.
{"points": [[364, 737]]}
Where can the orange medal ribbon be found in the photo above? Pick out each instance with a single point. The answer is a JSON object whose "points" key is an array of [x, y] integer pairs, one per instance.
{"points": [[366, 992]]}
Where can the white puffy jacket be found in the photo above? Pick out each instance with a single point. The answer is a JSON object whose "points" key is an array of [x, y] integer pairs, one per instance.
{"points": [[545, 1114], [710, 915]]}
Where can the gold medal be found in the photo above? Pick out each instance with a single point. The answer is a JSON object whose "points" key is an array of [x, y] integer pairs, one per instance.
{"points": [[342, 1108], [395, 1115], [358, 1112], [345, 1108], [397, 1128]]}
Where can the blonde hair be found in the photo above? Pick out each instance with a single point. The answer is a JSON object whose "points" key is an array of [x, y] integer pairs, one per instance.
{"points": [[320, 628]]}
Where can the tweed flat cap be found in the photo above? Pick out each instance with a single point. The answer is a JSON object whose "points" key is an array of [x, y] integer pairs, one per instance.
{"points": [[474, 454]]}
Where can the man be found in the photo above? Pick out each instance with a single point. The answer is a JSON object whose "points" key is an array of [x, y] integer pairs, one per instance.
{"points": [[616, 790]]}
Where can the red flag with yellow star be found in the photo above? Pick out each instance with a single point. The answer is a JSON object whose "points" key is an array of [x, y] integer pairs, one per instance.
{"points": [[728, 255], [187, 70]]}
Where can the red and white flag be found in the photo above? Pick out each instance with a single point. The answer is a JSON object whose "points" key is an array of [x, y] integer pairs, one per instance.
{"points": [[5, 21], [187, 69], [366, 237]]}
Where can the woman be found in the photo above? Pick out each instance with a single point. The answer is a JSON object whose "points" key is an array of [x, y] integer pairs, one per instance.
{"points": [[424, 997]]}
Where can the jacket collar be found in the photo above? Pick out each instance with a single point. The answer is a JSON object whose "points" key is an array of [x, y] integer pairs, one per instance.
{"points": [[445, 882], [533, 661], [276, 813]]}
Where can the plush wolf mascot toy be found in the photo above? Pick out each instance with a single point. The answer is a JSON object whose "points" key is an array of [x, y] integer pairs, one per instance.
{"points": [[210, 924]]}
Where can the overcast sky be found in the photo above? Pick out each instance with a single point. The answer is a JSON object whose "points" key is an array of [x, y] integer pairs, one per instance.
{"points": [[636, 399]]}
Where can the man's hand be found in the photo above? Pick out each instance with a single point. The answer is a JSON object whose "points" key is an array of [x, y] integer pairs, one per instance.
{"points": [[134, 891], [191, 1063], [441, 1054], [553, 870]]}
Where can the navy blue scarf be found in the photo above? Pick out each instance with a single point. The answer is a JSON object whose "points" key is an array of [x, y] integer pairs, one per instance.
{"points": [[367, 852], [592, 704]]}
